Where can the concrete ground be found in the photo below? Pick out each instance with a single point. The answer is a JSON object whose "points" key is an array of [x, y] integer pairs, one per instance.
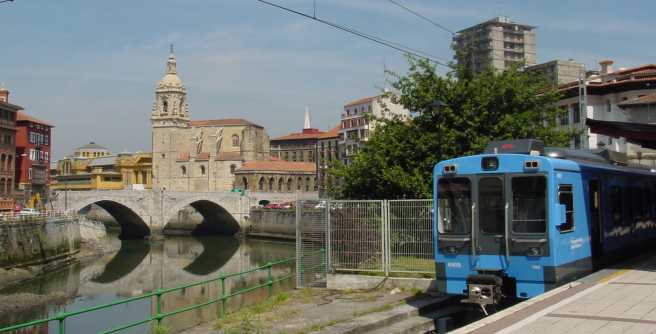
{"points": [[305, 311]]}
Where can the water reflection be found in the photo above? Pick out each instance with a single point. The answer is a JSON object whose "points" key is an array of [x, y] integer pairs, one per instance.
{"points": [[138, 267]]}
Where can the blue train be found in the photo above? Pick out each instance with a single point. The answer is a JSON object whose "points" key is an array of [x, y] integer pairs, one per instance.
{"points": [[521, 219]]}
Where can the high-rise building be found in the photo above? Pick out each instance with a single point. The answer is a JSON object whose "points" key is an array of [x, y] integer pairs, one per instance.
{"points": [[498, 44], [558, 71]]}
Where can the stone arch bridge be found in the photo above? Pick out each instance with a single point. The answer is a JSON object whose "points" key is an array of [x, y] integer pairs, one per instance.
{"points": [[144, 213]]}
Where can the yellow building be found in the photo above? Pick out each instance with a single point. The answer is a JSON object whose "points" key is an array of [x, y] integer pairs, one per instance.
{"points": [[114, 172]]}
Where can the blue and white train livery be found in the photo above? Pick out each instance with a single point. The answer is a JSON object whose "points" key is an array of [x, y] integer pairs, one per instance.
{"points": [[521, 219]]}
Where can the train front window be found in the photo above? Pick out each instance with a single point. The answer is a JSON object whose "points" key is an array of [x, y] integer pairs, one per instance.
{"points": [[529, 204], [491, 205], [454, 205]]}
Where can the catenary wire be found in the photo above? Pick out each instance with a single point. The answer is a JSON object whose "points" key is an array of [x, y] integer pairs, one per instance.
{"points": [[399, 47]]}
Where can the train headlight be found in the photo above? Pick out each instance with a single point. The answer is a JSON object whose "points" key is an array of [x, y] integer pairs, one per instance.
{"points": [[490, 163], [475, 291], [449, 169]]}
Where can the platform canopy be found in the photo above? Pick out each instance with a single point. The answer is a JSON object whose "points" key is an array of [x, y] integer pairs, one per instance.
{"points": [[636, 133]]}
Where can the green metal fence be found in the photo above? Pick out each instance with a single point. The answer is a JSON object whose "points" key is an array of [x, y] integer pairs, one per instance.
{"points": [[157, 318]]}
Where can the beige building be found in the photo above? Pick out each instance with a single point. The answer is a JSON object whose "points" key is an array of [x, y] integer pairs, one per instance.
{"points": [[498, 44], [559, 72], [277, 176], [359, 121], [297, 146], [198, 155], [91, 150]]}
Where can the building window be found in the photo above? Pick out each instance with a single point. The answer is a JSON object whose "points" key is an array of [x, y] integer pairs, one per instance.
{"points": [[165, 106], [29, 174], [289, 184], [307, 184], [271, 184], [280, 184], [566, 198], [564, 118], [299, 182], [294, 156], [286, 156], [244, 181], [260, 184], [232, 168], [235, 140], [576, 113], [577, 141], [183, 170], [608, 106], [202, 170]]}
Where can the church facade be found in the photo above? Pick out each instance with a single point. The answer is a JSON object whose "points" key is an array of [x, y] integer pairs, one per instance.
{"points": [[198, 155]]}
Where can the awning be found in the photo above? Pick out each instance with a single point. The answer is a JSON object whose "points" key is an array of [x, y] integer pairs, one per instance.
{"points": [[636, 133]]}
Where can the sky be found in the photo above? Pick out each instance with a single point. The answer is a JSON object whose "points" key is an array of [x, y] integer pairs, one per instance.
{"points": [[90, 67]]}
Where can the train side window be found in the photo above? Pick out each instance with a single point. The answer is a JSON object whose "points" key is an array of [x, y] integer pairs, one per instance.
{"points": [[616, 205], [566, 198]]}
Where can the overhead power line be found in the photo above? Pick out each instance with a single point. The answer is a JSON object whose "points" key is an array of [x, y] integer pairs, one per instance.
{"points": [[1, 1], [396, 46], [423, 17]]}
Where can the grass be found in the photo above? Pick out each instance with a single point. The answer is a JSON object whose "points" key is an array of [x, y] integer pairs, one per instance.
{"points": [[248, 320]]}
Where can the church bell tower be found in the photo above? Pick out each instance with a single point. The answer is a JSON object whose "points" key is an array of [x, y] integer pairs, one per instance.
{"points": [[169, 120]]}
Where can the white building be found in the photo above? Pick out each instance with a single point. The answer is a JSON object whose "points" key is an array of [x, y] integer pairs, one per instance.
{"points": [[619, 96], [356, 127]]}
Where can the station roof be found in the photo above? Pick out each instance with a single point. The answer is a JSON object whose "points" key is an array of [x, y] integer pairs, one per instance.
{"points": [[637, 133]]}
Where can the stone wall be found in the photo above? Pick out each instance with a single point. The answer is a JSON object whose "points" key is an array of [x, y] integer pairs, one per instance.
{"points": [[276, 223], [35, 242]]}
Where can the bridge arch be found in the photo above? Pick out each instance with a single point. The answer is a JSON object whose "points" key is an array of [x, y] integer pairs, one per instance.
{"points": [[216, 219], [127, 215]]}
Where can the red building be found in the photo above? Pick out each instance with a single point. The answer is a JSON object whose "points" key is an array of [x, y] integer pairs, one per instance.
{"points": [[32, 157]]}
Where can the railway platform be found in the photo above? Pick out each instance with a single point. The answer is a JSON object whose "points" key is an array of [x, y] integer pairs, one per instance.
{"points": [[618, 299]]}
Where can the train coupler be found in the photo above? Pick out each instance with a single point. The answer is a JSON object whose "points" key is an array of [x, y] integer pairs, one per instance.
{"points": [[483, 290]]}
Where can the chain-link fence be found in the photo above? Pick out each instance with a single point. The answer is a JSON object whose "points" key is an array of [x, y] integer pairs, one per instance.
{"points": [[311, 243], [410, 233], [357, 240]]}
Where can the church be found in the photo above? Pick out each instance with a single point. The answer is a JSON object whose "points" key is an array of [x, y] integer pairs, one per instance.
{"points": [[212, 155]]}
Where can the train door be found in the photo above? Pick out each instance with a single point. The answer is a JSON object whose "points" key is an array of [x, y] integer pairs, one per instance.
{"points": [[490, 231], [596, 228]]}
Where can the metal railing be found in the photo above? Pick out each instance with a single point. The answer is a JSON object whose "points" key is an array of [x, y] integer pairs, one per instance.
{"points": [[310, 239], [223, 297], [386, 236]]}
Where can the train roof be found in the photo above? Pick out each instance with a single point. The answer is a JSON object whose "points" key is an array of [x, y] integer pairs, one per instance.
{"points": [[565, 158]]}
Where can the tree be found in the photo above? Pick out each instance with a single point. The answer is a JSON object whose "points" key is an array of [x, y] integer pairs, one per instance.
{"points": [[453, 115]]}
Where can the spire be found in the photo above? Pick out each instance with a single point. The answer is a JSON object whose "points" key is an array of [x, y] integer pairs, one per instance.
{"points": [[307, 119], [171, 63]]}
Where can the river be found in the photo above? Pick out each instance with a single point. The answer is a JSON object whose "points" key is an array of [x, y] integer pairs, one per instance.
{"points": [[137, 267]]}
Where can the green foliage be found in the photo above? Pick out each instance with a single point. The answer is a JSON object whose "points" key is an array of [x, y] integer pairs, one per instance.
{"points": [[398, 160]]}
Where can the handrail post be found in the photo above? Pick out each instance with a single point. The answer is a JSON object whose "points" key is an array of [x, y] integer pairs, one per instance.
{"points": [[158, 297], [224, 301], [61, 325], [270, 279]]}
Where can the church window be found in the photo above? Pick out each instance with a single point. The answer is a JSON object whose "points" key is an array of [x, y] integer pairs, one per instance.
{"points": [[202, 170], [165, 107], [271, 184], [299, 183], [235, 140], [289, 184], [261, 184], [183, 170], [280, 184]]}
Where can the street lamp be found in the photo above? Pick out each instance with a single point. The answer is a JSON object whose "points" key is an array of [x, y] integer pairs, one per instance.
{"points": [[439, 105]]}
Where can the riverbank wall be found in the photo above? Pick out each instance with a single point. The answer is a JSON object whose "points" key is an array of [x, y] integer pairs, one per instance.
{"points": [[38, 240], [278, 223]]}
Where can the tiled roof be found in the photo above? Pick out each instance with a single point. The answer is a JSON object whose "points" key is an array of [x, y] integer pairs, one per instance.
{"points": [[306, 134], [229, 156], [647, 99], [278, 166], [203, 156], [361, 101], [222, 122], [21, 116], [183, 156], [332, 133]]}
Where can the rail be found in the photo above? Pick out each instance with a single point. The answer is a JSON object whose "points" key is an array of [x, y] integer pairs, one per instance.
{"points": [[223, 298]]}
